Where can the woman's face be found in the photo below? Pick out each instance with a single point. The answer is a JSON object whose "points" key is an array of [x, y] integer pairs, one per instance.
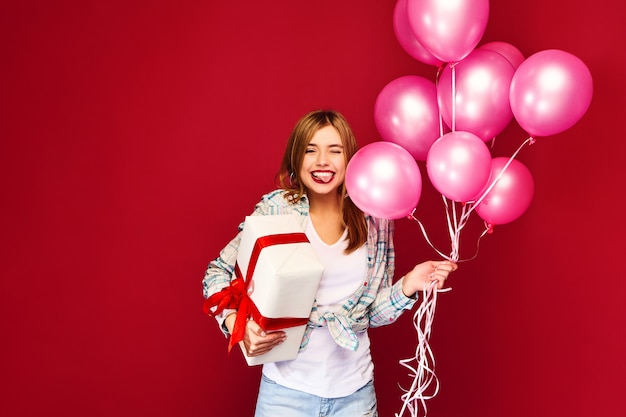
{"points": [[324, 167]]}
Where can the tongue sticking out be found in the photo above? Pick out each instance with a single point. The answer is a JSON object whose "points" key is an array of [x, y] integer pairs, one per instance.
{"points": [[323, 176]]}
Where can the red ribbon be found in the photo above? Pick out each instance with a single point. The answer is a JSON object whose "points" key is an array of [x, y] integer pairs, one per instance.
{"points": [[236, 295]]}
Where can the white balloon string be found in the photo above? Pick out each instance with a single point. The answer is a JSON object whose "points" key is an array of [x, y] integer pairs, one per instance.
{"points": [[488, 229], [466, 211], [421, 367], [425, 234], [440, 125], [449, 220], [455, 234], [453, 227], [456, 223], [422, 372], [453, 72], [528, 141], [439, 71]]}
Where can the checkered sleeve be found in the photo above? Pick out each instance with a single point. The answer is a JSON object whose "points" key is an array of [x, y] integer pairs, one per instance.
{"points": [[390, 302], [219, 274], [220, 271]]}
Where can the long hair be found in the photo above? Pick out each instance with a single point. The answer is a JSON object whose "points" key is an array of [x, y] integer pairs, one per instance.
{"points": [[288, 177]]}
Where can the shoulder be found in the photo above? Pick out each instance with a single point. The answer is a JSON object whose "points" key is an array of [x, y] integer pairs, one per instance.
{"points": [[276, 196], [275, 202]]}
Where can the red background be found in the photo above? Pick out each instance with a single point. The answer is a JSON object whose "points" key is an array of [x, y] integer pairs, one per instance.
{"points": [[136, 135]]}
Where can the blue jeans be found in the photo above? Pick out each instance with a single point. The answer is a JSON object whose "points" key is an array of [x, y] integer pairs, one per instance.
{"points": [[278, 401]]}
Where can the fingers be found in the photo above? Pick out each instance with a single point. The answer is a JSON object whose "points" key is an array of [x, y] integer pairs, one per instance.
{"points": [[255, 328], [258, 342], [441, 271]]}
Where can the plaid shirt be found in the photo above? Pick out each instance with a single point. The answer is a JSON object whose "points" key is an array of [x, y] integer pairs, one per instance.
{"points": [[375, 303]]}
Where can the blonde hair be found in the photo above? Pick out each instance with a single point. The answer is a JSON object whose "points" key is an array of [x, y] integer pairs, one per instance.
{"points": [[288, 176]]}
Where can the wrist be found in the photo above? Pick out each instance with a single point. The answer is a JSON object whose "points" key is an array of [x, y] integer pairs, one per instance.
{"points": [[406, 290], [229, 321]]}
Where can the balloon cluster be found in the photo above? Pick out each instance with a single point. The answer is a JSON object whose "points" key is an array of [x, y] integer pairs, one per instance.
{"points": [[447, 123]]}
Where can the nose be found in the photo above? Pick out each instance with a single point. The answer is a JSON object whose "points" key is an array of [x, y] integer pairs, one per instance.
{"points": [[322, 159]]}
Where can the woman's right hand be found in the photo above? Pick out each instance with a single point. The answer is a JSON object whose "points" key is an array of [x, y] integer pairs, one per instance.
{"points": [[256, 340], [422, 275]]}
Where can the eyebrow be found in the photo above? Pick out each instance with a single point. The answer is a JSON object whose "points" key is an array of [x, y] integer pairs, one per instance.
{"points": [[334, 145]]}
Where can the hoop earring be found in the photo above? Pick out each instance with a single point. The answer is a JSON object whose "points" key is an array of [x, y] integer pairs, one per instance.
{"points": [[292, 178]]}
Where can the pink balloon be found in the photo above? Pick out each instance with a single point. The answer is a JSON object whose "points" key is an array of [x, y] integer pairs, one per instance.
{"points": [[384, 180], [482, 81], [511, 195], [550, 92], [510, 52], [407, 38], [458, 165], [449, 30], [406, 114]]}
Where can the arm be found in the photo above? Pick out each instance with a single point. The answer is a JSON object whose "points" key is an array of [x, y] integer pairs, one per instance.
{"points": [[219, 274], [393, 299], [389, 302]]}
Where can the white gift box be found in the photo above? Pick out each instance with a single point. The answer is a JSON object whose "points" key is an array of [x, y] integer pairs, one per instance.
{"points": [[284, 281]]}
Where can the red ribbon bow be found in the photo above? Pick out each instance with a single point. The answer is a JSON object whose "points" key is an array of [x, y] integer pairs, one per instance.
{"points": [[236, 295]]}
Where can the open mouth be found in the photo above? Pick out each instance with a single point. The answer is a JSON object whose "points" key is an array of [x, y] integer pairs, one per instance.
{"points": [[323, 177]]}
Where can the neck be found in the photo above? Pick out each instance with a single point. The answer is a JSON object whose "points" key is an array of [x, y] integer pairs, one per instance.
{"points": [[326, 217], [325, 204]]}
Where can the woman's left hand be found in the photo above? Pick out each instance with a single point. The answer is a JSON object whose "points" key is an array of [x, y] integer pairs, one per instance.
{"points": [[422, 276]]}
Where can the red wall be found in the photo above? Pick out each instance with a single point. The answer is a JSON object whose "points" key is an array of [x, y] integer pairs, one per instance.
{"points": [[135, 135]]}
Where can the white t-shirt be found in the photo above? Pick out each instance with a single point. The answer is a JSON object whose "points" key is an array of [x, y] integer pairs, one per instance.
{"points": [[324, 368]]}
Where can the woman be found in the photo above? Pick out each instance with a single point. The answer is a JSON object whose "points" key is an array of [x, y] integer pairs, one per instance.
{"points": [[333, 373]]}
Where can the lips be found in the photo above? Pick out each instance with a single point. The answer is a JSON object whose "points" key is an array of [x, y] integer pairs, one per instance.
{"points": [[323, 177]]}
